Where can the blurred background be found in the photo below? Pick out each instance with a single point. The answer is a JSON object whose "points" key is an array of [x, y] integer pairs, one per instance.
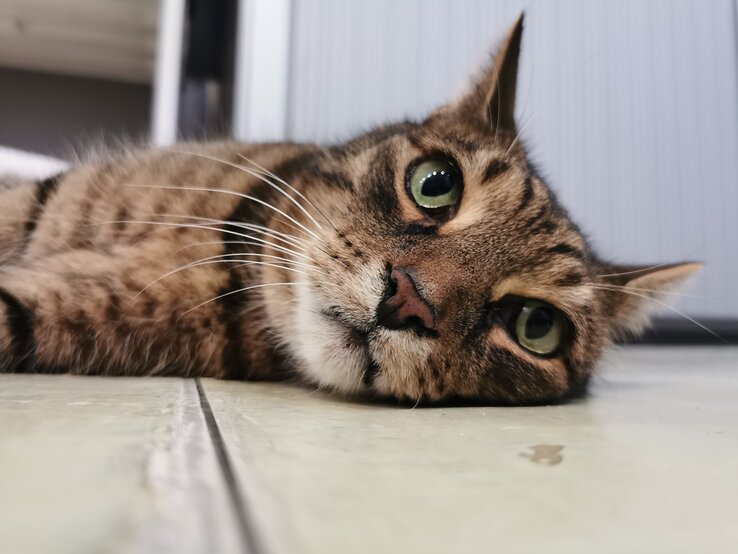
{"points": [[629, 108]]}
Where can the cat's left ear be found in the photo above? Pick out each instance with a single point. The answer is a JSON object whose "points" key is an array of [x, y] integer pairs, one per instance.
{"points": [[491, 99], [633, 289]]}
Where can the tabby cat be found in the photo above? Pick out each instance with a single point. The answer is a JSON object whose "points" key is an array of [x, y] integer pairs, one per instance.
{"points": [[421, 261]]}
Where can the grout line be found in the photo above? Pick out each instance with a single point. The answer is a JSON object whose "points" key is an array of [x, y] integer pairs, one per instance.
{"points": [[245, 523]]}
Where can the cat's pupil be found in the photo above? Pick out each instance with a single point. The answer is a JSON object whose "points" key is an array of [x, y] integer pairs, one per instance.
{"points": [[539, 323], [437, 183]]}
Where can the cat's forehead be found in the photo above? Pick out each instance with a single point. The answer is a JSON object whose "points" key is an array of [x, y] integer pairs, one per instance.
{"points": [[463, 139]]}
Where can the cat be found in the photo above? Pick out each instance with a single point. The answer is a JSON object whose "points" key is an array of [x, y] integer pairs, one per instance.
{"points": [[422, 261]]}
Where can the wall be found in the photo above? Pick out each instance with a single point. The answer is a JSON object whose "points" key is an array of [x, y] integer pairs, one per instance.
{"points": [[629, 108], [53, 114]]}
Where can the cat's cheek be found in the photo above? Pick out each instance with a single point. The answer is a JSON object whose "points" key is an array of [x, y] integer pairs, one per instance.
{"points": [[324, 349]]}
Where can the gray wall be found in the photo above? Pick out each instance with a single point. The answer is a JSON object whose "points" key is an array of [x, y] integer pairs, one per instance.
{"points": [[53, 114], [630, 107]]}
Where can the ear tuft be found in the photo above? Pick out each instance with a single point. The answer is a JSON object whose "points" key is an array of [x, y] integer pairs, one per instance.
{"points": [[634, 291], [501, 104], [491, 100]]}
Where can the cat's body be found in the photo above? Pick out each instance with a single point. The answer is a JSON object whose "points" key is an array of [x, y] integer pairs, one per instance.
{"points": [[84, 245], [398, 264]]}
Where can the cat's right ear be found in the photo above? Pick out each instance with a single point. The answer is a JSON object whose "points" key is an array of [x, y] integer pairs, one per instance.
{"points": [[634, 291], [491, 99]]}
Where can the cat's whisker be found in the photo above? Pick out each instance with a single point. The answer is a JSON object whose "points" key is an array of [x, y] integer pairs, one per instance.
{"points": [[241, 263], [257, 255], [649, 268], [210, 243], [234, 193], [638, 289], [499, 106], [520, 128], [206, 227], [266, 264], [244, 289], [246, 243], [315, 246], [669, 307], [266, 171], [418, 402], [254, 174], [274, 176], [296, 242], [234, 256], [525, 118], [639, 270], [301, 243], [512, 144], [223, 257]]}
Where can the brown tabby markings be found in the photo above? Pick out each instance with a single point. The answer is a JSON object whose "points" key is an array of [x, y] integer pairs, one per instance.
{"points": [[94, 274]]}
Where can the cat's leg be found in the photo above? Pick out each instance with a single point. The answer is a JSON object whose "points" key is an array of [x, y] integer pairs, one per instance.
{"points": [[85, 312]]}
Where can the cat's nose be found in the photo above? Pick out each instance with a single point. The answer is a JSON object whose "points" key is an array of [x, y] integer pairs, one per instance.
{"points": [[402, 306]]}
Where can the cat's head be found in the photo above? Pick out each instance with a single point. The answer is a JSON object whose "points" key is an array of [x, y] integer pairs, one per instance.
{"points": [[452, 270]]}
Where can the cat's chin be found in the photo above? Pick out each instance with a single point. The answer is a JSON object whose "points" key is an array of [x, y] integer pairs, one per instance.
{"points": [[332, 354]]}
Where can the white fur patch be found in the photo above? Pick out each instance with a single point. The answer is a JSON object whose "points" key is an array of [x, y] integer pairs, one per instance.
{"points": [[401, 355], [322, 346], [325, 348]]}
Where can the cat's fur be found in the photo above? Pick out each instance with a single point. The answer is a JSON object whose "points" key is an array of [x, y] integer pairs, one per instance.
{"points": [[87, 260]]}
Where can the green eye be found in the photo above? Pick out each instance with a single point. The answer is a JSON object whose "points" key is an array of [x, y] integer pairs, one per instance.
{"points": [[539, 327], [435, 184]]}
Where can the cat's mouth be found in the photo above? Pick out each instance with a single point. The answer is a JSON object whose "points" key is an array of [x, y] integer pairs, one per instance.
{"points": [[358, 331], [359, 337]]}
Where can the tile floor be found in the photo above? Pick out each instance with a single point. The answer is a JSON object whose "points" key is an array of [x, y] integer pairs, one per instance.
{"points": [[648, 463]]}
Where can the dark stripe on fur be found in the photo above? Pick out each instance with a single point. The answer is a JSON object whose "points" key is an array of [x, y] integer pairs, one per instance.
{"points": [[335, 180], [235, 358], [566, 250], [418, 229], [374, 137], [82, 236], [236, 363], [20, 325], [546, 226], [112, 310], [248, 211], [495, 168], [537, 217], [541, 222], [370, 372], [453, 141], [121, 216], [527, 194], [44, 190], [571, 279], [380, 189], [507, 372]]}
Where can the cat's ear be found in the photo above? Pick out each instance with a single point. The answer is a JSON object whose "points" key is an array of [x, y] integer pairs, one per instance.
{"points": [[491, 100], [634, 291]]}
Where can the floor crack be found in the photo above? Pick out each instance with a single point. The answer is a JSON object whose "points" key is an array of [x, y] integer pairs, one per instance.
{"points": [[245, 523]]}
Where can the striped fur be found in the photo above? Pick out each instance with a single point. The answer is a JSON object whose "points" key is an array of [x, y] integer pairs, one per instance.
{"points": [[193, 262]]}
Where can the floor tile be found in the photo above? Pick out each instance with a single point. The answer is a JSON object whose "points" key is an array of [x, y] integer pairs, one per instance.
{"points": [[648, 463], [91, 465]]}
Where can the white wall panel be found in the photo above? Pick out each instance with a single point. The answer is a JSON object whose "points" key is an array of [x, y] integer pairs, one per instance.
{"points": [[630, 107]]}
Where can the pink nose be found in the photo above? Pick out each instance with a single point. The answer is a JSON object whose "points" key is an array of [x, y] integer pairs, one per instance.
{"points": [[402, 306]]}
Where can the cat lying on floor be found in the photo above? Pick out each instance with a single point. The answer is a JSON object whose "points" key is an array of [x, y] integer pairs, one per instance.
{"points": [[420, 261]]}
